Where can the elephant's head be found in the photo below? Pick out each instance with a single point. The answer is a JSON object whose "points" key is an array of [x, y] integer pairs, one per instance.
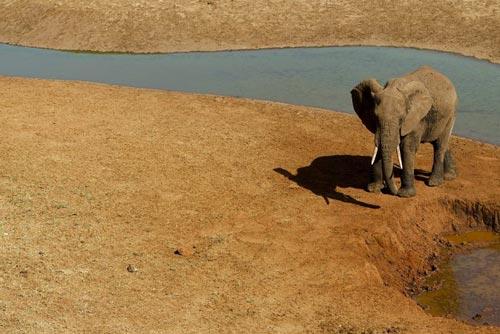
{"points": [[390, 112]]}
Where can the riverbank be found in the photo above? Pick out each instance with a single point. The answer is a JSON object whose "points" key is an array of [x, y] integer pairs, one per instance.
{"points": [[139, 26], [132, 210]]}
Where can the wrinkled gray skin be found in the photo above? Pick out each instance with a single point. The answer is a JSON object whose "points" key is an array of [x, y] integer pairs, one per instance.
{"points": [[416, 108]]}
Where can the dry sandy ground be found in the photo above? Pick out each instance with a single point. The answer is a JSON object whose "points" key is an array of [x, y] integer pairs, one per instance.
{"points": [[469, 27], [262, 202]]}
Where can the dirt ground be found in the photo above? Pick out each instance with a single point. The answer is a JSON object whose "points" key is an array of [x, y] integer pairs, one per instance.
{"points": [[468, 27], [138, 211]]}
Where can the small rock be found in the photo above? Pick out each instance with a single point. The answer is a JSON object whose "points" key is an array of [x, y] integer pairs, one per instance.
{"points": [[392, 329], [184, 251], [434, 267], [477, 317], [24, 273], [131, 268]]}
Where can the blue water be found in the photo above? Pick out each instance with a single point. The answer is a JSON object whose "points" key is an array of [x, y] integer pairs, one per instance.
{"points": [[321, 77]]}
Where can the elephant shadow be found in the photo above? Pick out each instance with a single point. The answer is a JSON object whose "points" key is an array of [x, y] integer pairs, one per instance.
{"points": [[326, 174], [420, 175]]}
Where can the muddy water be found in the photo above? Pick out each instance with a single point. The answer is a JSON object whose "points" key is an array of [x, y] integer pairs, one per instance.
{"points": [[468, 285], [319, 77]]}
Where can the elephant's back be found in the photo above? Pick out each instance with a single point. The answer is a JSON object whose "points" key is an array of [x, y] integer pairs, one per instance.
{"points": [[439, 86]]}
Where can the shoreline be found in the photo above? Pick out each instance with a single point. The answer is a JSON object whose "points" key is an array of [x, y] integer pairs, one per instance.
{"points": [[216, 96], [249, 49], [352, 114]]}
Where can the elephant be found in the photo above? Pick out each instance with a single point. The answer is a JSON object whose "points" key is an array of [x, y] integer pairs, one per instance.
{"points": [[419, 107]]}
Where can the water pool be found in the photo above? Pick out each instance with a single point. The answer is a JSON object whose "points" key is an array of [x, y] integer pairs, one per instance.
{"points": [[468, 285], [321, 77]]}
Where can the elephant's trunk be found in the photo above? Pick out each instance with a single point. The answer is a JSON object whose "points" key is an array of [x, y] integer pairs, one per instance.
{"points": [[388, 145], [387, 169]]}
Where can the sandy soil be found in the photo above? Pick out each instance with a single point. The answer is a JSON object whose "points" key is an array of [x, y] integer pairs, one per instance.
{"points": [[468, 27], [139, 211]]}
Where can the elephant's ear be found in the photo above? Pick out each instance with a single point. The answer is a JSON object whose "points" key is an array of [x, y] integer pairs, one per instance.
{"points": [[418, 104], [363, 103]]}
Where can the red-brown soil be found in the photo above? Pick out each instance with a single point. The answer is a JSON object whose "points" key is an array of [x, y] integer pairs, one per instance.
{"points": [[470, 27], [231, 215]]}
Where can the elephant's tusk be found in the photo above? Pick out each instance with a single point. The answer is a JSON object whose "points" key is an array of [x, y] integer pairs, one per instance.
{"points": [[399, 157], [374, 154], [451, 129]]}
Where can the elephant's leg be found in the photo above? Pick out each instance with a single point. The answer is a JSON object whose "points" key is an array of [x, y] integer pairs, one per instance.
{"points": [[408, 149], [450, 169], [437, 176], [377, 178], [440, 148]]}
